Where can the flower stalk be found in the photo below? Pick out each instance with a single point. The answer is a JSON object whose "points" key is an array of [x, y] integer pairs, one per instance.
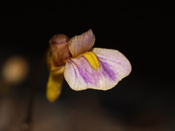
{"points": [[26, 125]]}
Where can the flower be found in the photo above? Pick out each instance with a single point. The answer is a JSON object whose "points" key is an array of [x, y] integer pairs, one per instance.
{"points": [[83, 67]]}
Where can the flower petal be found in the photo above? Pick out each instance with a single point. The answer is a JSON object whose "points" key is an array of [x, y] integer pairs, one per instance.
{"points": [[114, 59], [82, 43], [54, 86], [95, 71]]}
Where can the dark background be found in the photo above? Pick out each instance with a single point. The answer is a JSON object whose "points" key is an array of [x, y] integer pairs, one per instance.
{"points": [[143, 100]]}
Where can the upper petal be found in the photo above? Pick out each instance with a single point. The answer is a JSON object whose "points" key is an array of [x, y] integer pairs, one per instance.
{"points": [[95, 70], [82, 43]]}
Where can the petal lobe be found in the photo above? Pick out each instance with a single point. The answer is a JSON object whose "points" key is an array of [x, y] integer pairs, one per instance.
{"points": [[82, 43], [100, 69]]}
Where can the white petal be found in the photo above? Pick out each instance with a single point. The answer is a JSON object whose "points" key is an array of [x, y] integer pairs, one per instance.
{"points": [[100, 70]]}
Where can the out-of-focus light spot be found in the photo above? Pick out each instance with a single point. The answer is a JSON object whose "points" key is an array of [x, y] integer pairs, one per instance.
{"points": [[15, 70]]}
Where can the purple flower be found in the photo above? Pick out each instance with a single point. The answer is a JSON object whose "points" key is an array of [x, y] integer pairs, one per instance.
{"points": [[83, 67]]}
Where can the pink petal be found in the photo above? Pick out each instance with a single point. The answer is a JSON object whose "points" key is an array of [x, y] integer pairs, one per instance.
{"points": [[82, 43], [81, 74]]}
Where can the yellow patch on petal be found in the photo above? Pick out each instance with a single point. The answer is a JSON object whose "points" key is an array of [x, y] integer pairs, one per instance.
{"points": [[54, 86], [92, 59]]}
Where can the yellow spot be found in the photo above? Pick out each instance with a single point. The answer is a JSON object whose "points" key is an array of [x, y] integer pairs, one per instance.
{"points": [[92, 59], [54, 86]]}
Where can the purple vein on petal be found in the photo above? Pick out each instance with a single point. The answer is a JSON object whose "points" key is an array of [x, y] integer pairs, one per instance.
{"points": [[79, 70], [93, 75], [121, 68], [107, 71], [87, 72], [84, 73], [104, 59]]}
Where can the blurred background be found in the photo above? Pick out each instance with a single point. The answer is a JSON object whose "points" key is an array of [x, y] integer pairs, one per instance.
{"points": [[143, 101]]}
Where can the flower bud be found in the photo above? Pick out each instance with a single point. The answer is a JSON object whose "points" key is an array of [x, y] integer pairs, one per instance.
{"points": [[59, 49]]}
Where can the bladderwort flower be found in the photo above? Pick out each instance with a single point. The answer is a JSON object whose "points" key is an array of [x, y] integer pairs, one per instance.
{"points": [[82, 66]]}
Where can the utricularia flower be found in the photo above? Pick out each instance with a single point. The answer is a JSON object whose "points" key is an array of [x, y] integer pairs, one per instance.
{"points": [[82, 66]]}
